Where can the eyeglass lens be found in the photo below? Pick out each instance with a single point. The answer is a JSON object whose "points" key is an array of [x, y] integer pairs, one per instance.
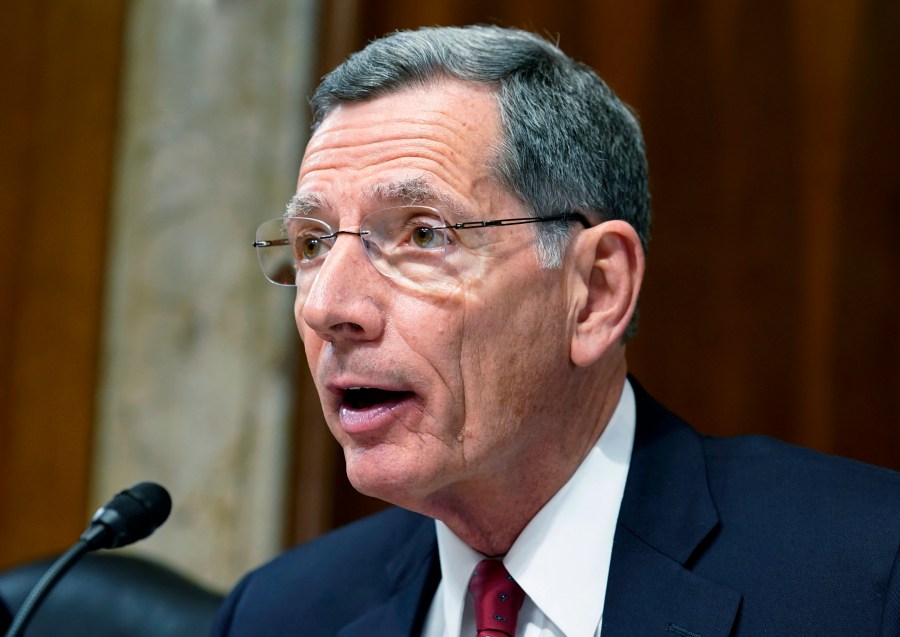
{"points": [[405, 242]]}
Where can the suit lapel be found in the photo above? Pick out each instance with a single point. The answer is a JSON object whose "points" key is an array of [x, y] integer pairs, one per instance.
{"points": [[650, 594], [411, 578], [667, 514]]}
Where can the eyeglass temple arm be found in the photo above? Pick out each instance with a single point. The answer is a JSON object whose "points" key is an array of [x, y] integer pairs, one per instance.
{"points": [[270, 243], [573, 216]]}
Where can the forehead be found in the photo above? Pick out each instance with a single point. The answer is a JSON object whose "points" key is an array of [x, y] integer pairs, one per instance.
{"points": [[441, 137]]}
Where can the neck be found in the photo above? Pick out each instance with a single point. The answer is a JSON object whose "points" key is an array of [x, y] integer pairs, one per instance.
{"points": [[489, 513]]}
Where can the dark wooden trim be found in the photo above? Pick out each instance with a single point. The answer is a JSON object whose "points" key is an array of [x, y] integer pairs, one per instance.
{"points": [[58, 117]]}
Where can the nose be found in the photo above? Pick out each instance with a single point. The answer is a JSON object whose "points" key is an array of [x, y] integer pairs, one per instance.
{"points": [[341, 303]]}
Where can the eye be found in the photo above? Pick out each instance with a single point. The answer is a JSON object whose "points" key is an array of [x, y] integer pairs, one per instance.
{"points": [[308, 247], [310, 244], [425, 237], [424, 233]]}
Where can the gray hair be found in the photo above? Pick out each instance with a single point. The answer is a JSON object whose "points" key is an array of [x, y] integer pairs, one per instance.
{"points": [[567, 142]]}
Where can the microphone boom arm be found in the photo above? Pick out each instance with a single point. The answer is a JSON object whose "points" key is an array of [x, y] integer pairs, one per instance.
{"points": [[59, 568]]}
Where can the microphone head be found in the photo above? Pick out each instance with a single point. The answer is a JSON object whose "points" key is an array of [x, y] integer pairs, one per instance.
{"points": [[131, 515]]}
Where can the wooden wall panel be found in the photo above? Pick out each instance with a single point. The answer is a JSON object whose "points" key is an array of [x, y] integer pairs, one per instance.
{"points": [[60, 67], [771, 303], [864, 367]]}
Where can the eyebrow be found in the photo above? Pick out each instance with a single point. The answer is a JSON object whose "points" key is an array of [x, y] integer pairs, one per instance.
{"points": [[412, 191], [418, 191], [304, 204]]}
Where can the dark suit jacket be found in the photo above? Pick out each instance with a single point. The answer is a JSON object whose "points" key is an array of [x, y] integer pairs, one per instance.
{"points": [[716, 537], [5, 617]]}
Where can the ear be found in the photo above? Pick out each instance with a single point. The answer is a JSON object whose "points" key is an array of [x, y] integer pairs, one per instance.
{"points": [[606, 279]]}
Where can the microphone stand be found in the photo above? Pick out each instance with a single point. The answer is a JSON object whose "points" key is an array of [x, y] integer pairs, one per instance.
{"points": [[59, 568]]}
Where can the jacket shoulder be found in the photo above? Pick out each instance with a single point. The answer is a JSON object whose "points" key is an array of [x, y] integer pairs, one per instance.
{"points": [[796, 532], [815, 529], [367, 543], [302, 586], [780, 470]]}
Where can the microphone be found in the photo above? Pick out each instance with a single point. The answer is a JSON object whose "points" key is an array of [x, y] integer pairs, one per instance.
{"points": [[131, 515]]}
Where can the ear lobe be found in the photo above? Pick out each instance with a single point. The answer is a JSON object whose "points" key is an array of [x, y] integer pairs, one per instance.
{"points": [[609, 268]]}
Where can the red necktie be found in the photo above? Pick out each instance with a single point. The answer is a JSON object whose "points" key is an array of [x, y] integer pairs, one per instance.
{"points": [[497, 600]]}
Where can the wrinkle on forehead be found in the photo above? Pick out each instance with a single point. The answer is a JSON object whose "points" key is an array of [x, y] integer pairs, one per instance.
{"points": [[444, 137]]}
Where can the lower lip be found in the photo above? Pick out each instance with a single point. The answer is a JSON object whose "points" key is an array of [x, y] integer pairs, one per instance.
{"points": [[376, 418]]}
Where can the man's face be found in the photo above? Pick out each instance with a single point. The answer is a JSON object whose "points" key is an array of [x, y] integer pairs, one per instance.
{"points": [[460, 379]]}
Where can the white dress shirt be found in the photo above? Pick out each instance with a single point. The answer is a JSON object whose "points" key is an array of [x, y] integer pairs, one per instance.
{"points": [[561, 558]]}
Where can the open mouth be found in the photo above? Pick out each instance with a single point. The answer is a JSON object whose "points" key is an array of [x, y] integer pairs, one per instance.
{"points": [[368, 397]]}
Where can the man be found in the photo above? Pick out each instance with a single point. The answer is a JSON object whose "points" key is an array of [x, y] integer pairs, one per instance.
{"points": [[467, 241]]}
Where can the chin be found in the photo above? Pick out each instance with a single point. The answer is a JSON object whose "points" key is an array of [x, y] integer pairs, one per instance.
{"points": [[388, 478]]}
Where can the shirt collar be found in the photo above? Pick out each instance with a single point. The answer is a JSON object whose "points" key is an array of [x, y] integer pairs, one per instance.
{"points": [[561, 559]]}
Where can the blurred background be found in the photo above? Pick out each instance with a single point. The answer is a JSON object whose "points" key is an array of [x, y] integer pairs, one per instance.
{"points": [[143, 141]]}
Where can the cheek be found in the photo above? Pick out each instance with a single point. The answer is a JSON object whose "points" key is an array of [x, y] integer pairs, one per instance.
{"points": [[298, 320], [312, 344], [513, 346], [432, 330], [312, 347]]}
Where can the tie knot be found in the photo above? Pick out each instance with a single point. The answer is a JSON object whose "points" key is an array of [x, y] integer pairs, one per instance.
{"points": [[497, 599]]}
